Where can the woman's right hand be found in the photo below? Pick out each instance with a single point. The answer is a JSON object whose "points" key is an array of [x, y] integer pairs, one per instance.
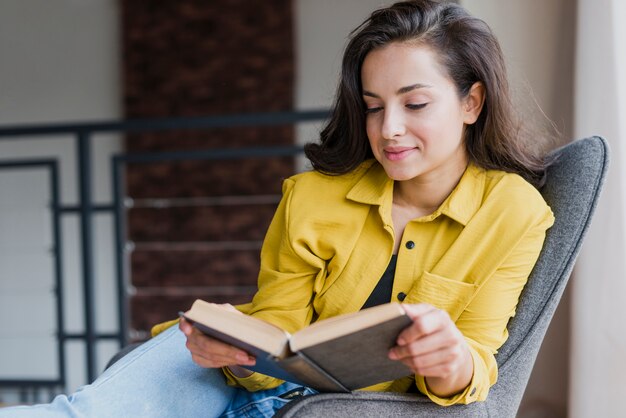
{"points": [[211, 353]]}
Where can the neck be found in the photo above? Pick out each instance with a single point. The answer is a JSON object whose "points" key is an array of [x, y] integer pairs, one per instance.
{"points": [[426, 194]]}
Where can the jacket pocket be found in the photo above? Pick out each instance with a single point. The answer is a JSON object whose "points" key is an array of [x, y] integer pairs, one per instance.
{"points": [[450, 295]]}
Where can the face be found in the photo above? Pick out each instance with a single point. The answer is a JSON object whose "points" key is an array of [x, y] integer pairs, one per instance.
{"points": [[415, 118]]}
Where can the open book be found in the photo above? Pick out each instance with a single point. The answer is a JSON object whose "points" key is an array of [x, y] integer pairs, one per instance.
{"points": [[338, 354]]}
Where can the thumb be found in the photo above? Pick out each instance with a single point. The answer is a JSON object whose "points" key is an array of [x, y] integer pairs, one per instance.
{"points": [[185, 326], [414, 311]]}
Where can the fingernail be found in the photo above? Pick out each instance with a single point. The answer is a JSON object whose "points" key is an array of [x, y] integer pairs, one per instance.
{"points": [[401, 341], [242, 358], [392, 355]]}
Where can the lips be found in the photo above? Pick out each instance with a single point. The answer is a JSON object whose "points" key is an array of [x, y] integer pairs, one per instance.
{"points": [[397, 153]]}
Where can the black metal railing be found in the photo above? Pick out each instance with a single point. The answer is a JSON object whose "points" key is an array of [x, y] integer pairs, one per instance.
{"points": [[83, 134], [29, 389]]}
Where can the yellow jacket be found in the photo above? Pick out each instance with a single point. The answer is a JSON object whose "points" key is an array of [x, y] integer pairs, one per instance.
{"points": [[332, 238]]}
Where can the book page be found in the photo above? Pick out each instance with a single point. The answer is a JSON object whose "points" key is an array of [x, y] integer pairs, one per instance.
{"points": [[251, 331], [341, 325]]}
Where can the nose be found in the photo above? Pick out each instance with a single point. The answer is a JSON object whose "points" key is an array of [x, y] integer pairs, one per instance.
{"points": [[393, 123]]}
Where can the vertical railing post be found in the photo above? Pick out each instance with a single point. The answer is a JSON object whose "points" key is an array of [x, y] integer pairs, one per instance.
{"points": [[86, 234], [120, 248], [58, 269]]}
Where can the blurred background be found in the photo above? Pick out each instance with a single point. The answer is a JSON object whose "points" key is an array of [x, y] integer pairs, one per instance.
{"points": [[143, 145]]}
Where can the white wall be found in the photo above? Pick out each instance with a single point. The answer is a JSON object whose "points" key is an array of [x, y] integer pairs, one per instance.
{"points": [[537, 37], [321, 32], [60, 62]]}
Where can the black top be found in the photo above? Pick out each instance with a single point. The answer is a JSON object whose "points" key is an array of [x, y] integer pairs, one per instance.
{"points": [[382, 292]]}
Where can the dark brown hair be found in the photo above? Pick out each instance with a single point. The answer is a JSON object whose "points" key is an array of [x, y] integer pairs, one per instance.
{"points": [[469, 52]]}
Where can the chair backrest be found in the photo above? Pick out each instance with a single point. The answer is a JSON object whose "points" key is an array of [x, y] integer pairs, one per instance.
{"points": [[572, 189]]}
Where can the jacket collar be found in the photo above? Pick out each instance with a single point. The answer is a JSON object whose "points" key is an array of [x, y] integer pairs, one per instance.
{"points": [[375, 188]]}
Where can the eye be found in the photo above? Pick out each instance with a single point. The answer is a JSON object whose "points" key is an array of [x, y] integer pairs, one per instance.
{"points": [[416, 106], [371, 110]]}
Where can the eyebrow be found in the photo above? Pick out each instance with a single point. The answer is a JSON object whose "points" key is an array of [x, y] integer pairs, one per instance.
{"points": [[401, 90]]}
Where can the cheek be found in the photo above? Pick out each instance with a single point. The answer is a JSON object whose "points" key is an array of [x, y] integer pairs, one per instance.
{"points": [[445, 128], [454, 131], [371, 131], [426, 129]]}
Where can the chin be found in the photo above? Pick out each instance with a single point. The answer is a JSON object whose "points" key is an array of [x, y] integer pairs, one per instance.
{"points": [[402, 178], [400, 175]]}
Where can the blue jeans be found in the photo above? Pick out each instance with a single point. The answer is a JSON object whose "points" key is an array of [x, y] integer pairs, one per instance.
{"points": [[159, 379]]}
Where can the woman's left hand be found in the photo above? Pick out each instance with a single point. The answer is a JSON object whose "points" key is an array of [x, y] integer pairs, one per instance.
{"points": [[434, 347]]}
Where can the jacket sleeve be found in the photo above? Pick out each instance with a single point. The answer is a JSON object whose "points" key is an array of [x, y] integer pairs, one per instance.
{"points": [[483, 322], [286, 282]]}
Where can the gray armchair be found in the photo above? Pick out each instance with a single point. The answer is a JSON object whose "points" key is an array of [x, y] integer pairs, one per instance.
{"points": [[573, 185]]}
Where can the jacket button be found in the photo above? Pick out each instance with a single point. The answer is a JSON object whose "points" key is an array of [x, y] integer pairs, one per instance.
{"points": [[410, 245], [401, 296]]}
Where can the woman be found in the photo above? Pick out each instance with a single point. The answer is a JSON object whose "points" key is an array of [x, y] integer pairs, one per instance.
{"points": [[422, 193]]}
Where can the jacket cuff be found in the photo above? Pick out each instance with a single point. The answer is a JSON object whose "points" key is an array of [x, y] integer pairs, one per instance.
{"points": [[159, 328], [252, 383], [476, 390]]}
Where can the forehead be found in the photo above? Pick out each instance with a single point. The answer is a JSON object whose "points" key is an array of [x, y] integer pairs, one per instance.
{"points": [[401, 63]]}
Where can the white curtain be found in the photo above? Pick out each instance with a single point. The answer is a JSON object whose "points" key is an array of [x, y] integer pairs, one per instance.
{"points": [[598, 326]]}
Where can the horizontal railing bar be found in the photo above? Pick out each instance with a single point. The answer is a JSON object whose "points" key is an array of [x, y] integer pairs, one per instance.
{"points": [[218, 154], [194, 290], [160, 203], [177, 202], [95, 208], [82, 336], [26, 163], [25, 383], [163, 124], [196, 246]]}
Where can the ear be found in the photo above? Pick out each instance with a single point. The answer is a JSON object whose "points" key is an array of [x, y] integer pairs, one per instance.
{"points": [[473, 103]]}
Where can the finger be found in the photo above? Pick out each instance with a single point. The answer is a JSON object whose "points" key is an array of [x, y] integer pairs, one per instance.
{"points": [[209, 362], [211, 359], [453, 353], [440, 364], [414, 310], [185, 326], [427, 344], [428, 322], [441, 369], [208, 359], [210, 348], [207, 347]]}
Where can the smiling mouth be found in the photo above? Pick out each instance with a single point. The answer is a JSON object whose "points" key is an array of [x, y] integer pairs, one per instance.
{"points": [[398, 154]]}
